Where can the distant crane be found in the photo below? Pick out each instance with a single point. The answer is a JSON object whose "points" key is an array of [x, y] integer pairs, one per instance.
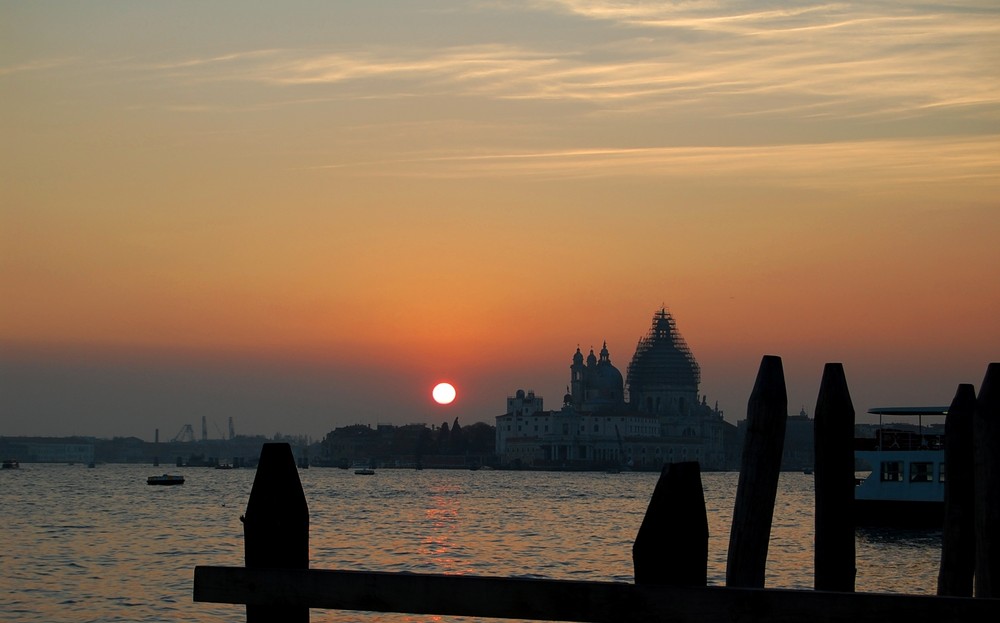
{"points": [[185, 434], [232, 431], [621, 450]]}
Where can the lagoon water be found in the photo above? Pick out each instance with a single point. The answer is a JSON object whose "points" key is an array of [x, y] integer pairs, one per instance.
{"points": [[99, 544]]}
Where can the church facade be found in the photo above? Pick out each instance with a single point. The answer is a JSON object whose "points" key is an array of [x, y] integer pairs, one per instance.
{"points": [[647, 418]]}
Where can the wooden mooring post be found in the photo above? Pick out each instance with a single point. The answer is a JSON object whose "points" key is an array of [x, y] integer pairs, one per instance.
{"points": [[833, 435], [276, 528], [986, 457], [767, 413], [671, 547], [958, 542], [276, 583]]}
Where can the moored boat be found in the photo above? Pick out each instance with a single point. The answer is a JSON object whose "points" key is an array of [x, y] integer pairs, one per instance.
{"points": [[905, 488], [363, 469], [165, 479], [11, 464]]}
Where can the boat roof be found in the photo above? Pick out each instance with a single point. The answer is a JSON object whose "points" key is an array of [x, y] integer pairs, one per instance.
{"points": [[908, 410]]}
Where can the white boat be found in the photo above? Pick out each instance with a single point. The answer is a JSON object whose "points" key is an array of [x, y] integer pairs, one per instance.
{"points": [[905, 488]]}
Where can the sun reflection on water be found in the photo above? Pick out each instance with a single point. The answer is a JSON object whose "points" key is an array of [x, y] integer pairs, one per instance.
{"points": [[441, 516]]}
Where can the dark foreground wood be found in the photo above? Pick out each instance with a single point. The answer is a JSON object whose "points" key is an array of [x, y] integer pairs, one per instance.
{"points": [[958, 544], [750, 533], [565, 600]]}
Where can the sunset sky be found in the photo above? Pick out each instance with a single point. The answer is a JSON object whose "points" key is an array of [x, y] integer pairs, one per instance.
{"points": [[305, 214]]}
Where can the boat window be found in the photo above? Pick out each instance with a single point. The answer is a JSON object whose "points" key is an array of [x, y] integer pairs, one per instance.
{"points": [[921, 472], [892, 471]]}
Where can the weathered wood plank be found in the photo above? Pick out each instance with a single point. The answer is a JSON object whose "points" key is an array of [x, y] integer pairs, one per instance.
{"points": [[767, 413], [958, 544], [565, 600], [833, 435], [986, 455], [276, 526], [672, 544]]}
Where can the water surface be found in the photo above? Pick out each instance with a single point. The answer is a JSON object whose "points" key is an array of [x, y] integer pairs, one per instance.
{"points": [[100, 545]]}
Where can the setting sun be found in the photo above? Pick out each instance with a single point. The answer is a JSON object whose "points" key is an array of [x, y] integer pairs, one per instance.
{"points": [[443, 393]]}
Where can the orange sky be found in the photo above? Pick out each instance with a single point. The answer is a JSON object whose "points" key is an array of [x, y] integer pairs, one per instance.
{"points": [[339, 206]]}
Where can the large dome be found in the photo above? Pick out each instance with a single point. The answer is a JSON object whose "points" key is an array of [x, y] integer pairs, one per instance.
{"points": [[663, 360]]}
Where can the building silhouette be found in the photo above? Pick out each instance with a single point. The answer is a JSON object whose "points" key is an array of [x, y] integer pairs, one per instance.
{"points": [[663, 377], [607, 421]]}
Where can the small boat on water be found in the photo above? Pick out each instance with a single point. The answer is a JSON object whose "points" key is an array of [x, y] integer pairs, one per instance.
{"points": [[11, 464], [165, 479], [363, 469], [905, 488]]}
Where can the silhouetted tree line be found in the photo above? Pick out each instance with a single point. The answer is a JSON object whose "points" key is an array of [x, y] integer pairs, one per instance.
{"points": [[478, 438], [386, 442]]}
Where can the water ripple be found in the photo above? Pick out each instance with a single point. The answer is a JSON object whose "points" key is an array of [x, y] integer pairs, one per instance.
{"points": [[108, 548]]}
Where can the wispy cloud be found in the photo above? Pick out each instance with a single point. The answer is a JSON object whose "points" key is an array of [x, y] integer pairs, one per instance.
{"points": [[222, 59], [873, 163], [656, 73], [36, 66], [835, 60], [698, 15]]}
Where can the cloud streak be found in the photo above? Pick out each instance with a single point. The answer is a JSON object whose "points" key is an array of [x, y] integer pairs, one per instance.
{"points": [[974, 161], [910, 65], [828, 60]]}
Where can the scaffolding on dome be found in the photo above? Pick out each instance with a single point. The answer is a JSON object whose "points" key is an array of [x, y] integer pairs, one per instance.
{"points": [[663, 357]]}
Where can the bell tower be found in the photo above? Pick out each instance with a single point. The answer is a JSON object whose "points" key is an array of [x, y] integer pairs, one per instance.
{"points": [[578, 374]]}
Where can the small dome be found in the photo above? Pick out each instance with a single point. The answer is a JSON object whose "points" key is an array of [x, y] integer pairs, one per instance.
{"points": [[520, 394], [610, 378]]}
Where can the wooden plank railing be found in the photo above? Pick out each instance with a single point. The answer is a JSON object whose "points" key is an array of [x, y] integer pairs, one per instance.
{"points": [[566, 600], [277, 585]]}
